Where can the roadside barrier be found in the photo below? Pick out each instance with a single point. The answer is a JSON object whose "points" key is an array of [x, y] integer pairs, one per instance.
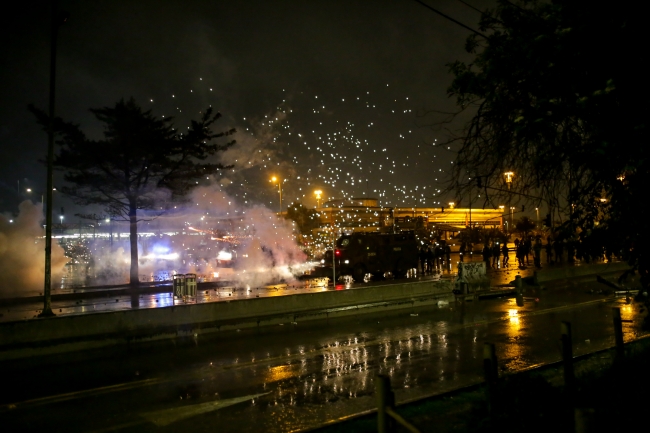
{"points": [[386, 415], [388, 419]]}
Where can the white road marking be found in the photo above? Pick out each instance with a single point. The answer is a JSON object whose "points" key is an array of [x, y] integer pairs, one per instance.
{"points": [[165, 417]]}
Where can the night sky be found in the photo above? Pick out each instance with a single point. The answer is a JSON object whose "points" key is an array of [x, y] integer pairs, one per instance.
{"points": [[328, 95]]}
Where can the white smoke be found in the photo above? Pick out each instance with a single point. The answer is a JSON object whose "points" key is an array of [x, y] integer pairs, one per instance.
{"points": [[22, 252], [267, 251], [214, 224], [255, 148]]}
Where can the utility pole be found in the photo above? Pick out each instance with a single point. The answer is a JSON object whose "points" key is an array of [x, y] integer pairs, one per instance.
{"points": [[509, 175], [333, 251], [58, 18]]}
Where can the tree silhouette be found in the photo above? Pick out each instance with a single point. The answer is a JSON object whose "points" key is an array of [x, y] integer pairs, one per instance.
{"points": [[306, 219], [556, 92], [142, 164], [524, 225]]}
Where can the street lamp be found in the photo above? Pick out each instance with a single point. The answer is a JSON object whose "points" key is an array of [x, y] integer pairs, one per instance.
{"points": [[274, 180], [509, 175], [58, 18], [318, 194], [502, 207]]}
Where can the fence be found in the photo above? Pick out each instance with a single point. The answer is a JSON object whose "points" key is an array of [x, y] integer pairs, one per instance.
{"points": [[388, 418]]}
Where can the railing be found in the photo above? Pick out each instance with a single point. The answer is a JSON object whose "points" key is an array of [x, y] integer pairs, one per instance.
{"points": [[386, 407], [387, 417]]}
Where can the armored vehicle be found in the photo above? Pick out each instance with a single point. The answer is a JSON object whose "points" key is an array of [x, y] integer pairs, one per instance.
{"points": [[359, 254]]}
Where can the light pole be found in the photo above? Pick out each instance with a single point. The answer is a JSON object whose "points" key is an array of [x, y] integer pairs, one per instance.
{"points": [[537, 211], [274, 180], [502, 207], [318, 195], [509, 175], [58, 18], [110, 231]]}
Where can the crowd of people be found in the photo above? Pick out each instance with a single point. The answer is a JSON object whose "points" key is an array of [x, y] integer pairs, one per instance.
{"points": [[434, 257], [496, 254], [528, 250]]}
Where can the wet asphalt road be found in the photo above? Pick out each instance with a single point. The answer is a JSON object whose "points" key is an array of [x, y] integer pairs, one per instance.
{"points": [[293, 377]]}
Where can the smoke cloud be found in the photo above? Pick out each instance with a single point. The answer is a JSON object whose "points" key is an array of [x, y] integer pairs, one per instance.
{"points": [[266, 249], [22, 252], [202, 237]]}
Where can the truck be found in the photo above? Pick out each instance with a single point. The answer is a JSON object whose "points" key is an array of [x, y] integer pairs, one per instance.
{"points": [[359, 254]]}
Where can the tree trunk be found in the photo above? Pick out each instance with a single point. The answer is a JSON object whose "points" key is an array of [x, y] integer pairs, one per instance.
{"points": [[134, 279]]}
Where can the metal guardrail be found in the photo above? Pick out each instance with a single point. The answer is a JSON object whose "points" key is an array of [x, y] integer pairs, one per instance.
{"points": [[387, 417]]}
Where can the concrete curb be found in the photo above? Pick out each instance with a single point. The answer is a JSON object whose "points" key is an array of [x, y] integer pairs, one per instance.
{"points": [[68, 333], [582, 270]]}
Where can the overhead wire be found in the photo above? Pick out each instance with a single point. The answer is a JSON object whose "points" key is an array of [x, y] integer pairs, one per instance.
{"points": [[451, 19]]}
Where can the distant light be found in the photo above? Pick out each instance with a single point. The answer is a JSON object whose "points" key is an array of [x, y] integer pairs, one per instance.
{"points": [[224, 255]]}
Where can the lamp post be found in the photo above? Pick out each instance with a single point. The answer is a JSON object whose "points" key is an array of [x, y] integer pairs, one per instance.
{"points": [[110, 231], [509, 175], [58, 18], [318, 195], [502, 207], [274, 180]]}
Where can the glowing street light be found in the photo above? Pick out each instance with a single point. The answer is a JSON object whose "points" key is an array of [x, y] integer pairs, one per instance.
{"points": [[318, 195], [279, 182], [451, 204], [509, 175]]}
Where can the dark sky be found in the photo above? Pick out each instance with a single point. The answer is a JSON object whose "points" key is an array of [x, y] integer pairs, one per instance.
{"points": [[326, 94]]}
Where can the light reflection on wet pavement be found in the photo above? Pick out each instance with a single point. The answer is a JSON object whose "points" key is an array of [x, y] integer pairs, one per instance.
{"points": [[109, 302], [315, 372]]}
